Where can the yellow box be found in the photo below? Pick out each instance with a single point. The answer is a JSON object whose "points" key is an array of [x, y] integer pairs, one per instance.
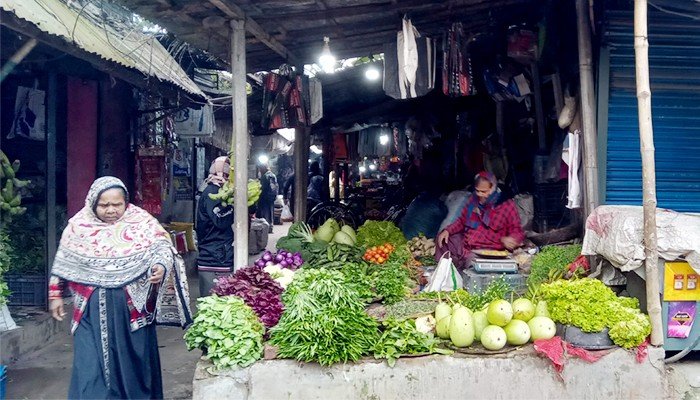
{"points": [[681, 282], [186, 227]]}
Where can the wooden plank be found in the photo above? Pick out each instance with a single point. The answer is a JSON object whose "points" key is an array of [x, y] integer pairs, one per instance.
{"points": [[233, 11], [51, 131]]}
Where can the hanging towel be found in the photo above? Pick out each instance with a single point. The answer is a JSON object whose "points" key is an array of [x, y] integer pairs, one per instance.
{"points": [[574, 161], [316, 95]]}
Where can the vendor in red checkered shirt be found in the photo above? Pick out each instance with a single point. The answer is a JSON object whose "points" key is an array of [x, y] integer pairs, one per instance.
{"points": [[489, 220]]}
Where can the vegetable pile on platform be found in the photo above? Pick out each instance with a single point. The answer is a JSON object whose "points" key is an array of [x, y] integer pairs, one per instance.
{"points": [[333, 296]]}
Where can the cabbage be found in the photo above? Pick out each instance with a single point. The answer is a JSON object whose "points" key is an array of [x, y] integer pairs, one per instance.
{"points": [[343, 238]]}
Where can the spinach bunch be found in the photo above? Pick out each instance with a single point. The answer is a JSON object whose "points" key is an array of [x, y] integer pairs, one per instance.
{"points": [[228, 330], [324, 320], [402, 338]]}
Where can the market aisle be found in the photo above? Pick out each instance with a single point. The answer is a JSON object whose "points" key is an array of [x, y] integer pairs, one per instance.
{"points": [[45, 374]]}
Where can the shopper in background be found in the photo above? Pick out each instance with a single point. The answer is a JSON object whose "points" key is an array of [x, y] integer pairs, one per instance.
{"points": [[270, 188], [124, 274], [214, 229]]}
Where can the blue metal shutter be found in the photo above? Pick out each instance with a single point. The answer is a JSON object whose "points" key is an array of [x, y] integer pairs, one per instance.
{"points": [[674, 60]]}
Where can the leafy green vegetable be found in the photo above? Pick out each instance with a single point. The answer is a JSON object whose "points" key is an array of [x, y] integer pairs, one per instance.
{"points": [[408, 308], [333, 256], [6, 255], [292, 245], [375, 233], [391, 281], [592, 306], [324, 320], [357, 277], [228, 330], [551, 260], [476, 300], [300, 230], [402, 338]]}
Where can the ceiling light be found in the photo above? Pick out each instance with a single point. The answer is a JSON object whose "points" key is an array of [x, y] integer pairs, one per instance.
{"points": [[327, 59], [372, 167], [263, 159], [372, 74], [383, 139], [362, 169]]}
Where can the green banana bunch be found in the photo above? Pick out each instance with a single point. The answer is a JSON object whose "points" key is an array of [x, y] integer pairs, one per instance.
{"points": [[10, 199], [254, 191]]}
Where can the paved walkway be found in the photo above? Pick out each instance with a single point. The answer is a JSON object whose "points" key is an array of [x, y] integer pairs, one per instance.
{"points": [[45, 374]]}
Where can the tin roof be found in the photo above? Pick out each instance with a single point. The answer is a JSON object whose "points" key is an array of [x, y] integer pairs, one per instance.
{"points": [[98, 31]]}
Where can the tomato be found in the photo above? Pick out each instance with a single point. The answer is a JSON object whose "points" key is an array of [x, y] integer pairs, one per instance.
{"points": [[381, 260]]}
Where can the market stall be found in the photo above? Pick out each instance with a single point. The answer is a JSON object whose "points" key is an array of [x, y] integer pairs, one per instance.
{"points": [[339, 297]]}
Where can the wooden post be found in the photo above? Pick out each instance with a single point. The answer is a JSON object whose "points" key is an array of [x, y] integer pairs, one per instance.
{"points": [[646, 139], [539, 112], [301, 174], [51, 125], [590, 152], [239, 143]]}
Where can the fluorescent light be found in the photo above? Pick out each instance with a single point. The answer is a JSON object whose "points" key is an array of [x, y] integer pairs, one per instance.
{"points": [[372, 74], [263, 159], [315, 149], [383, 139], [327, 59]]}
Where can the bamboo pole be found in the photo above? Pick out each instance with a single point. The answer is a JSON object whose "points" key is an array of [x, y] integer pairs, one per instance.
{"points": [[590, 152], [17, 58], [646, 139], [301, 172], [239, 144]]}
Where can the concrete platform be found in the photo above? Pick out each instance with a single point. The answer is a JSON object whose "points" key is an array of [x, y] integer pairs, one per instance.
{"points": [[521, 374]]}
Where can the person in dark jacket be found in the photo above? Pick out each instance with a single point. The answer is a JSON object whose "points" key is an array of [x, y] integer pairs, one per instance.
{"points": [[266, 204], [214, 229]]}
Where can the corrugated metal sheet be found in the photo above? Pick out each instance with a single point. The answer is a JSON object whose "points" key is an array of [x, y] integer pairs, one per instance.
{"points": [[131, 48], [674, 58]]}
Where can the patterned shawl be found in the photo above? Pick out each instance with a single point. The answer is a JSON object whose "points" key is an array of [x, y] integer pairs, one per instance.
{"points": [[121, 254], [478, 213]]}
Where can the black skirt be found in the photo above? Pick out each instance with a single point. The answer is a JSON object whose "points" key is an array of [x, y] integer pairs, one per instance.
{"points": [[110, 361]]}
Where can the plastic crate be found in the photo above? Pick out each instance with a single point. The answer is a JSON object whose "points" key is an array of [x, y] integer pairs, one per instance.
{"points": [[27, 290], [477, 282]]}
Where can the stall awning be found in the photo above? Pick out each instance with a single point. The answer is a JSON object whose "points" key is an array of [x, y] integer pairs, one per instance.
{"points": [[96, 30]]}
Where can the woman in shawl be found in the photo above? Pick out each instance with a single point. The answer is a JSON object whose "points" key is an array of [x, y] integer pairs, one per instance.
{"points": [[489, 220], [214, 229], [124, 274]]}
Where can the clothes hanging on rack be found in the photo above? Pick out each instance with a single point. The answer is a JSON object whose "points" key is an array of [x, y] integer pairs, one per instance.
{"points": [[409, 64], [457, 75], [284, 102], [316, 97]]}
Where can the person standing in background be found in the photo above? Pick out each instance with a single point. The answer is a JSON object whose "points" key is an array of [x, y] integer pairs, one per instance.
{"points": [[214, 229], [270, 188]]}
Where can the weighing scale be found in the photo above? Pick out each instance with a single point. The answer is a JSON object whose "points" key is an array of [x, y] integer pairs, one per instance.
{"points": [[485, 263], [498, 265]]}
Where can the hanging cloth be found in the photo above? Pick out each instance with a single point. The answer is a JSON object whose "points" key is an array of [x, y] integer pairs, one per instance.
{"points": [[409, 64], [316, 96], [457, 79], [408, 58]]}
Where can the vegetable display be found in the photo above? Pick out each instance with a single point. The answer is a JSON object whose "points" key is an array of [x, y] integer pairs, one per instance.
{"points": [[378, 254], [10, 198], [257, 288], [283, 258], [324, 320], [5, 260], [422, 248], [375, 233], [475, 300], [551, 261], [228, 330], [391, 282], [591, 306], [403, 338]]}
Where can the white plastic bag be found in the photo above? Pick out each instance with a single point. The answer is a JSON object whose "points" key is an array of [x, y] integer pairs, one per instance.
{"points": [[446, 278], [286, 215]]}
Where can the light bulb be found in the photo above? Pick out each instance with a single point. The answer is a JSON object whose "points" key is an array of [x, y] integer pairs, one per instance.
{"points": [[363, 169], [372, 74], [327, 59], [263, 159], [383, 139], [372, 167]]}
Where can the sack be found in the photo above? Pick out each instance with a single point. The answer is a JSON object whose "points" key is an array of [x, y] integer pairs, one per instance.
{"points": [[446, 278], [286, 215]]}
